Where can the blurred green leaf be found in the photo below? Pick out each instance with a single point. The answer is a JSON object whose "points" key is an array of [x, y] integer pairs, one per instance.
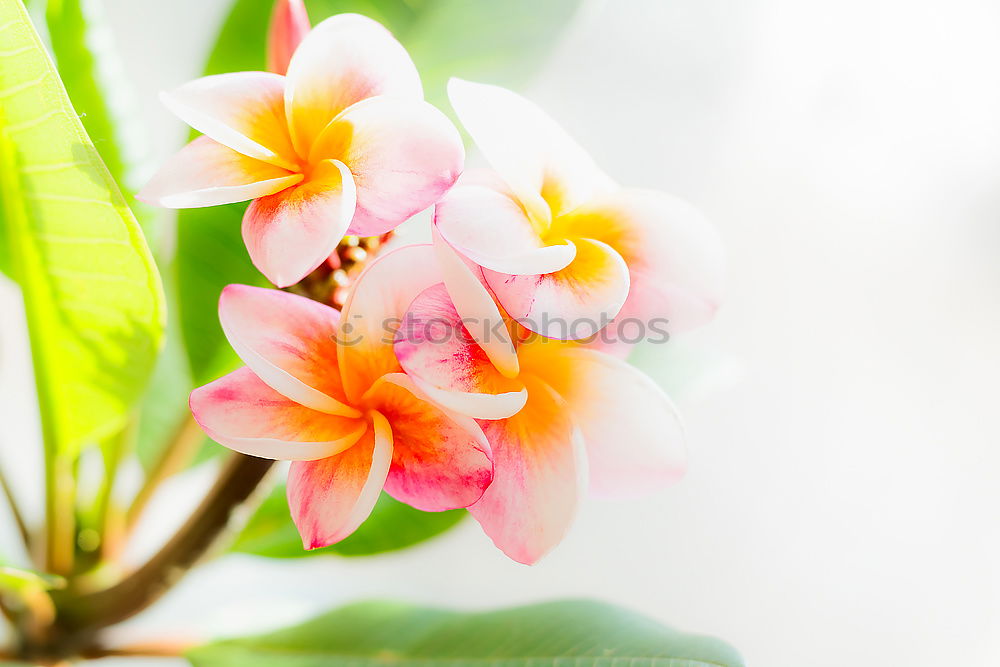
{"points": [[500, 42], [210, 255], [579, 633], [92, 294], [90, 68], [18, 580], [392, 526]]}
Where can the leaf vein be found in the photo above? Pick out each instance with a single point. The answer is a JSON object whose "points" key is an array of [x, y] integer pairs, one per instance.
{"points": [[11, 91], [14, 128], [43, 196]]}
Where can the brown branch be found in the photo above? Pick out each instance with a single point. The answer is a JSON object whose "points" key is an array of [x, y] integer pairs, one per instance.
{"points": [[150, 650], [80, 616], [15, 510]]}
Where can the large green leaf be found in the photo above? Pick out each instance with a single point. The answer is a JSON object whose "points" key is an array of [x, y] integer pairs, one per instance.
{"points": [[80, 40], [500, 42], [392, 526], [92, 294], [574, 633]]}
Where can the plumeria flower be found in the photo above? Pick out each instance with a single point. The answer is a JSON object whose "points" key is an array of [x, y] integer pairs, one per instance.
{"points": [[330, 397], [559, 417], [558, 241], [342, 144]]}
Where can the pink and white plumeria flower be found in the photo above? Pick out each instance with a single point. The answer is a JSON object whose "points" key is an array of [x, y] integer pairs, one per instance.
{"points": [[559, 417], [558, 241], [342, 144], [324, 390]]}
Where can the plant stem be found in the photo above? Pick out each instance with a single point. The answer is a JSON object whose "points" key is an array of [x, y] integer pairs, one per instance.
{"points": [[60, 519], [15, 510], [173, 458], [107, 518], [239, 477], [151, 650]]}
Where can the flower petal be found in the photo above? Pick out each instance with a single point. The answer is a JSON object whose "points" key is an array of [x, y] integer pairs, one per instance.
{"points": [[440, 461], [437, 351], [539, 476], [206, 173], [570, 304], [474, 302], [344, 59], [631, 429], [331, 497], [290, 233], [289, 341], [674, 256], [404, 155], [241, 412], [374, 310], [242, 110], [491, 228], [289, 25], [547, 170]]}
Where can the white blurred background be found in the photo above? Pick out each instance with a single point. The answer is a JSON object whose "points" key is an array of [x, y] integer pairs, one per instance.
{"points": [[843, 505]]}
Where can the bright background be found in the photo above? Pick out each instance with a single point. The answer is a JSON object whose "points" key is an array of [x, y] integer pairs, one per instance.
{"points": [[842, 506]]}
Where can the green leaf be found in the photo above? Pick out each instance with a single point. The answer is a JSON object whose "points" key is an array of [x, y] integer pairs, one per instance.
{"points": [[500, 42], [210, 255], [576, 633], [92, 72], [392, 526], [92, 294], [18, 580], [80, 39]]}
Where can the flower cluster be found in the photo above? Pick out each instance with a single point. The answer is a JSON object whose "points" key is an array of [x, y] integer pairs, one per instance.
{"points": [[508, 414]]}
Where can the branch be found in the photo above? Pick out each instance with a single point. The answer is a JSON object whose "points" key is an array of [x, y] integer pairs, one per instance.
{"points": [[15, 510], [88, 613], [150, 650], [60, 513]]}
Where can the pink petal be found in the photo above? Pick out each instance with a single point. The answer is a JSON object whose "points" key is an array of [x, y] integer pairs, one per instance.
{"points": [[344, 59], [290, 233], [491, 228], [539, 477], [674, 255], [571, 304], [404, 155], [331, 497], [374, 310], [206, 173], [440, 461], [474, 302], [437, 351], [544, 167], [242, 110], [289, 341], [632, 432], [244, 414], [289, 25]]}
